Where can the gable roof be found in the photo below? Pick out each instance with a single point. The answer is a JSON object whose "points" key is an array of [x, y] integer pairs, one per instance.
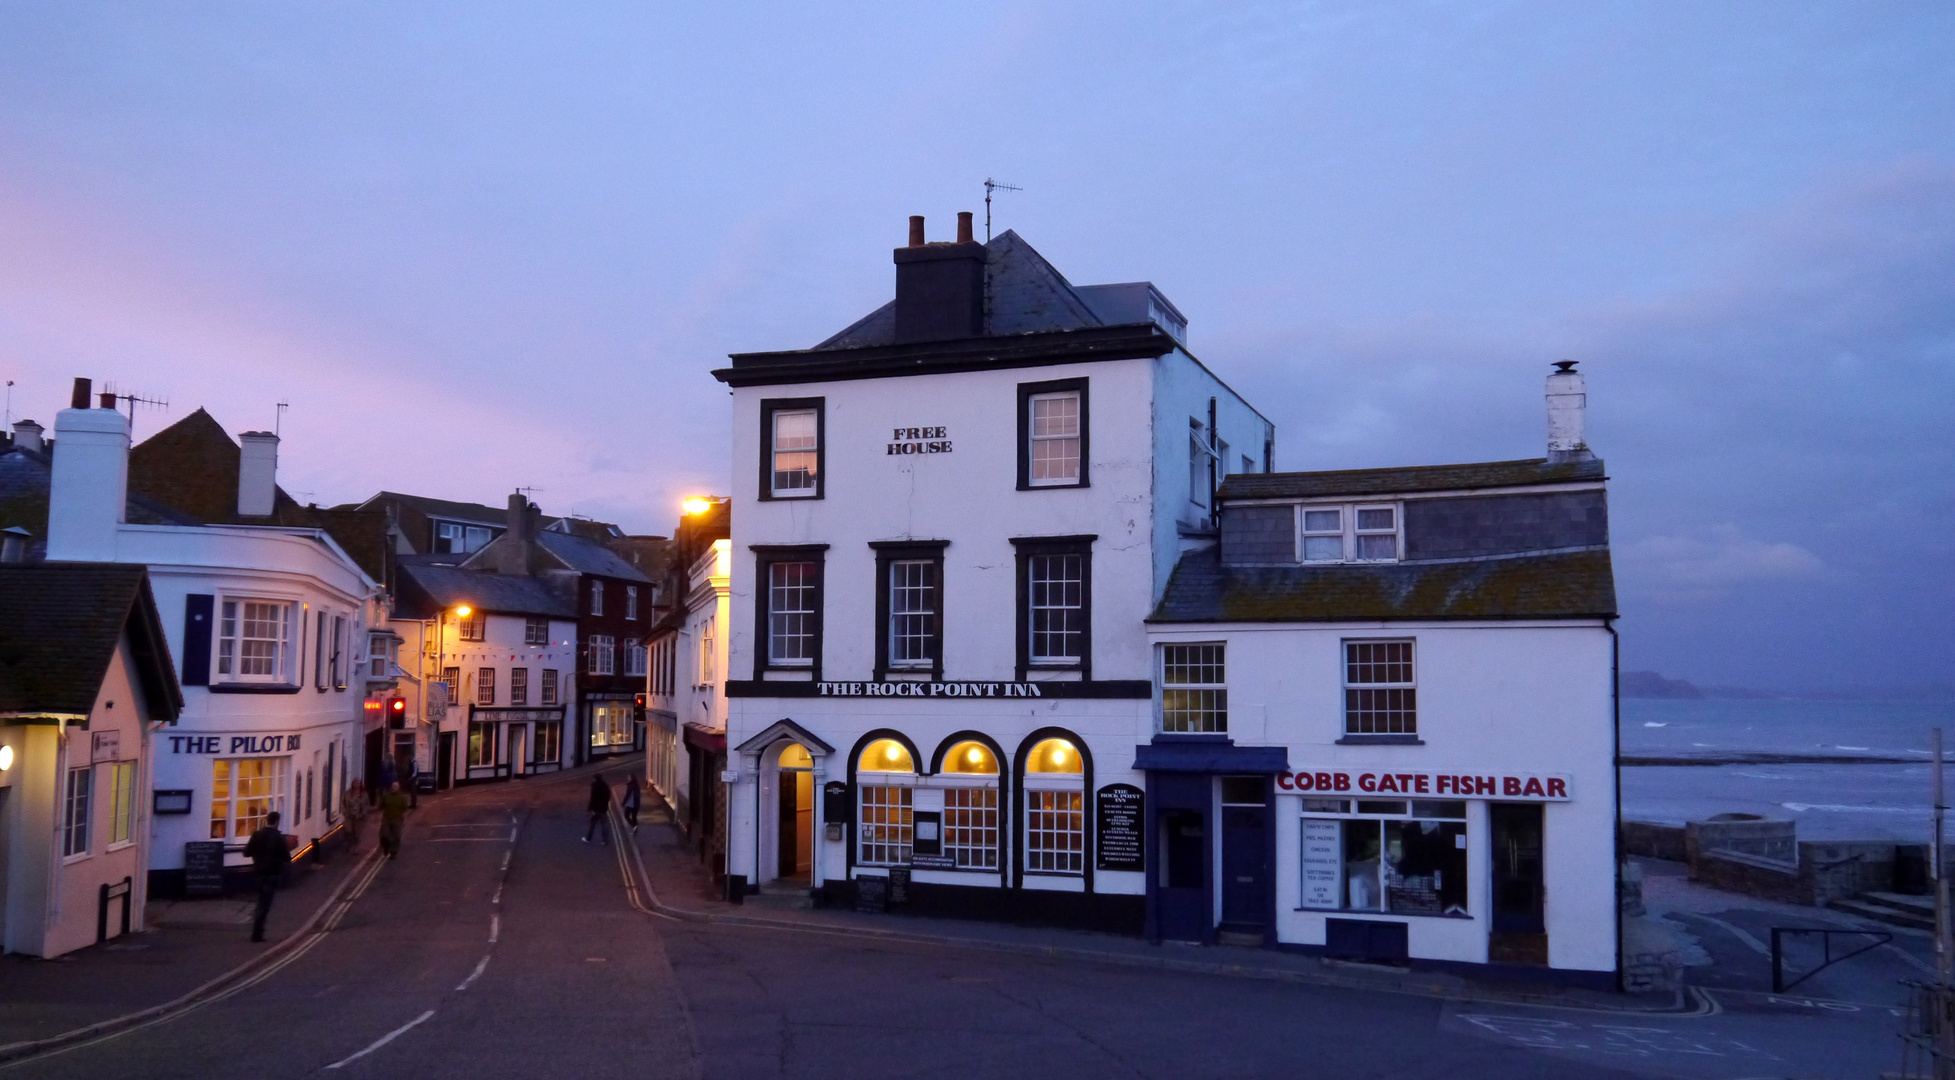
{"points": [[588, 557], [441, 508], [60, 623], [426, 589], [1558, 585], [1367, 482]]}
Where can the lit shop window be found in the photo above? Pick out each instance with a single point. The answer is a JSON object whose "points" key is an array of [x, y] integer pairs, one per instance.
{"points": [[971, 812], [482, 744], [885, 828], [1385, 855], [611, 724], [242, 792], [253, 641], [1194, 694], [1055, 809]]}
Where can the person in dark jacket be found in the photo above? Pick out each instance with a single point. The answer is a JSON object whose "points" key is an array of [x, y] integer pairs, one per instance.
{"points": [[600, 808], [269, 856], [630, 802], [393, 815]]}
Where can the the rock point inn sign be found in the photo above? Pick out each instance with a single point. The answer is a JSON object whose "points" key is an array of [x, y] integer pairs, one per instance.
{"points": [[929, 689]]}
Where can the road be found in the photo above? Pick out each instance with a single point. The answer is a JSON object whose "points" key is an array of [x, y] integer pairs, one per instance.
{"points": [[502, 945]]}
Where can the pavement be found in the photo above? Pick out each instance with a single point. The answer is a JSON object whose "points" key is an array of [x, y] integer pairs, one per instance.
{"points": [[502, 944]]}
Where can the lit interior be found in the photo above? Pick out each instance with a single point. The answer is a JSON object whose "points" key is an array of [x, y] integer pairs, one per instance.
{"points": [[886, 755], [971, 757], [1054, 756], [796, 756]]}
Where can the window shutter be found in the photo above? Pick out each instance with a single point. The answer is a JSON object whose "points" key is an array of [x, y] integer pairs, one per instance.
{"points": [[198, 626]]}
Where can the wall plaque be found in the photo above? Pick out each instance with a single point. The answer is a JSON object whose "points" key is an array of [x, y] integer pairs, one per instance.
{"points": [[1120, 819], [107, 746]]}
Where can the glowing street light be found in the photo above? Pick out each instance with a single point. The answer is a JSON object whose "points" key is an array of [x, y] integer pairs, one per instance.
{"points": [[697, 505]]}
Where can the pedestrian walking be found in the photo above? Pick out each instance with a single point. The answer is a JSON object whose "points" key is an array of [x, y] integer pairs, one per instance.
{"points": [[355, 807], [600, 808], [393, 812], [414, 786], [269, 856], [387, 775], [629, 804]]}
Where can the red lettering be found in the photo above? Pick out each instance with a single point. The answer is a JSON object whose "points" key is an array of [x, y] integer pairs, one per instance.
{"points": [[1445, 785], [1367, 782], [1557, 788], [1483, 785], [1343, 782], [1387, 783], [1283, 781], [1534, 788], [1510, 785], [1410, 782]]}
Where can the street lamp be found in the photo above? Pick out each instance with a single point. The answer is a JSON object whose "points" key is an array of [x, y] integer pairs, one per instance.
{"points": [[697, 505]]}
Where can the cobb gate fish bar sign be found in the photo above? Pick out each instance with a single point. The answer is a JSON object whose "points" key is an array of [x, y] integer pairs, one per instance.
{"points": [[1520, 787]]}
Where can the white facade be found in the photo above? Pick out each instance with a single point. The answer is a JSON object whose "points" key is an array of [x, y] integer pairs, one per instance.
{"points": [[505, 714], [269, 628]]}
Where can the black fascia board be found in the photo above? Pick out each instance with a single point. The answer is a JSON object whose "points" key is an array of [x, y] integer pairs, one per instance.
{"points": [[1138, 341]]}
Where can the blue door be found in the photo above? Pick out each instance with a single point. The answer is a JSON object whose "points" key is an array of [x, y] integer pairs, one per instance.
{"points": [[1245, 866]]}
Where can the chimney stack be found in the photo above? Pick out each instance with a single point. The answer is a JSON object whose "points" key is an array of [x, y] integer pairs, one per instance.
{"points": [[108, 400], [940, 287], [1567, 402], [257, 474], [14, 547], [89, 486], [27, 436]]}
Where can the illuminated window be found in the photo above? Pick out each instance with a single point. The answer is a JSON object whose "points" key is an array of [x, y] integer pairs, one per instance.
{"points": [[886, 755], [122, 802], [482, 744], [1054, 756], [243, 792], [971, 758], [971, 827], [1055, 832], [885, 830]]}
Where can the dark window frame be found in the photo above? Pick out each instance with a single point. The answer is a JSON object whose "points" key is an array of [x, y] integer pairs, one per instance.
{"points": [[1026, 391], [1024, 548], [893, 551], [765, 556], [770, 406]]}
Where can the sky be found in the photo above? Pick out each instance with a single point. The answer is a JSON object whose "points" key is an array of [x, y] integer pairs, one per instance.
{"points": [[480, 246]]}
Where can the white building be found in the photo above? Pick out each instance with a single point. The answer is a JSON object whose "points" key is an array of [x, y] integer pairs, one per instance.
{"points": [[949, 523], [269, 628], [685, 716], [1431, 650]]}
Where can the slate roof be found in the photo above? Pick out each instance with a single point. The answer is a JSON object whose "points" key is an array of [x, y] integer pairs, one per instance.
{"points": [[59, 626], [1369, 482], [425, 589], [441, 508], [588, 557], [1562, 585], [24, 481]]}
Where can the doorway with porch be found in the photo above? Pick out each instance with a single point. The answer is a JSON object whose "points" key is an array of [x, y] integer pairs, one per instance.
{"points": [[794, 798]]}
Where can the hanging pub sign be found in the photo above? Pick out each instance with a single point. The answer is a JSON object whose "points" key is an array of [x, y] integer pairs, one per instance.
{"points": [[1119, 811], [1515, 787]]}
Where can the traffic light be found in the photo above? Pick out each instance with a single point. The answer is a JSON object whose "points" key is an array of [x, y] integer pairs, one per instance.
{"points": [[638, 707], [397, 713]]}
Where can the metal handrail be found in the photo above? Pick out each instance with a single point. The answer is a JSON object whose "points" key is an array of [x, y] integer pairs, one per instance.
{"points": [[1780, 986]]}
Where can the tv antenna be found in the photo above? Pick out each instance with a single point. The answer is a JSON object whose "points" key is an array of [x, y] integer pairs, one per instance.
{"points": [[278, 425], [133, 400], [989, 187]]}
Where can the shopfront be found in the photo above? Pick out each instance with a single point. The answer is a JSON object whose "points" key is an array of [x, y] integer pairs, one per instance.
{"points": [[612, 722], [221, 787], [505, 743]]}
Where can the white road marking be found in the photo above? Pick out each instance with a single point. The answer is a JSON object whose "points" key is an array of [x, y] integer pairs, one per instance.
{"points": [[497, 898], [474, 975], [462, 840], [385, 1039], [495, 928], [505, 860], [1752, 943]]}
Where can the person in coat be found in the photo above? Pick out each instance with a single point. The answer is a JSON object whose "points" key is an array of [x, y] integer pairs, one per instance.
{"points": [[629, 803], [600, 810], [269, 856], [393, 813]]}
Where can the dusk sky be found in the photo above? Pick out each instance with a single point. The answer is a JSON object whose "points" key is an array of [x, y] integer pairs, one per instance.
{"points": [[482, 245]]}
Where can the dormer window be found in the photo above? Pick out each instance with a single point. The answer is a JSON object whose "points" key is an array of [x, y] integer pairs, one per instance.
{"points": [[1349, 533]]}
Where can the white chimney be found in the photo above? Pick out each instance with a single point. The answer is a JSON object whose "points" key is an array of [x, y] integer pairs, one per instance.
{"points": [[27, 435], [257, 473], [1567, 402], [90, 484]]}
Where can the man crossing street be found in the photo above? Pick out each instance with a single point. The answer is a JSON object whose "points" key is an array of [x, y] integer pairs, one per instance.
{"points": [[269, 856]]}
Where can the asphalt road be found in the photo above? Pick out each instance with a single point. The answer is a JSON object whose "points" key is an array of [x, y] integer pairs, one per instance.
{"points": [[501, 945]]}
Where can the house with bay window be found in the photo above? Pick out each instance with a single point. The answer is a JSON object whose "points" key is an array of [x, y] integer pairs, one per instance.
{"points": [[1425, 658], [949, 523], [267, 607]]}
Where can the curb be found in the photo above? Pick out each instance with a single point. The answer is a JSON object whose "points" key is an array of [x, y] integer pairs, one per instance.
{"points": [[1685, 1003], [15, 1053]]}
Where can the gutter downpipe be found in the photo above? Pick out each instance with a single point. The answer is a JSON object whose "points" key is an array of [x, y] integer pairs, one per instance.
{"points": [[1615, 698]]}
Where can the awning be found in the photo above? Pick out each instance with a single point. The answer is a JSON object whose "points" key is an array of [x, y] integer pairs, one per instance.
{"points": [[705, 738], [1213, 755]]}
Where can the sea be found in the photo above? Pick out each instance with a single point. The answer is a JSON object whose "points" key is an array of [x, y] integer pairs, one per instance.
{"points": [[1876, 785]]}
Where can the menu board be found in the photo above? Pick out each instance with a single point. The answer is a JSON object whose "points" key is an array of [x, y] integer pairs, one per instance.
{"points": [[871, 893], [1323, 863], [1119, 819], [203, 868]]}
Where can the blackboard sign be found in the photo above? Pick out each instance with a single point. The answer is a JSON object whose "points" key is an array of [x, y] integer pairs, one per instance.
{"points": [[899, 884], [872, 894], [203, 868], [1120, 815]]}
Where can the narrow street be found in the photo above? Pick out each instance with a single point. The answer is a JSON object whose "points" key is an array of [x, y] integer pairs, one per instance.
{"points": [[501, 945]]}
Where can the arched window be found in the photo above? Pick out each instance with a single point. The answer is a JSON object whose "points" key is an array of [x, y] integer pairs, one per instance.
{"points": [[1055, 809], [970, 785], [796, 756], [884, 829]]}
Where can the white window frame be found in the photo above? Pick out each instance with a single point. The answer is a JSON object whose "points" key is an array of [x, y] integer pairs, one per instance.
{"points": [[808, 592], [485, 686], [519, 686], [1218, 692], [231, 611], [634, 657], [1348, 532], [597, 598], [603, 654], [890, 842], [631, 603], [961, 821], [548, 694], [1041, 857], [1053, 440], [77, 813], [281, 768], [776, 451], [536, 631], [1351, 688], [918, 603], [1081, 611]]}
